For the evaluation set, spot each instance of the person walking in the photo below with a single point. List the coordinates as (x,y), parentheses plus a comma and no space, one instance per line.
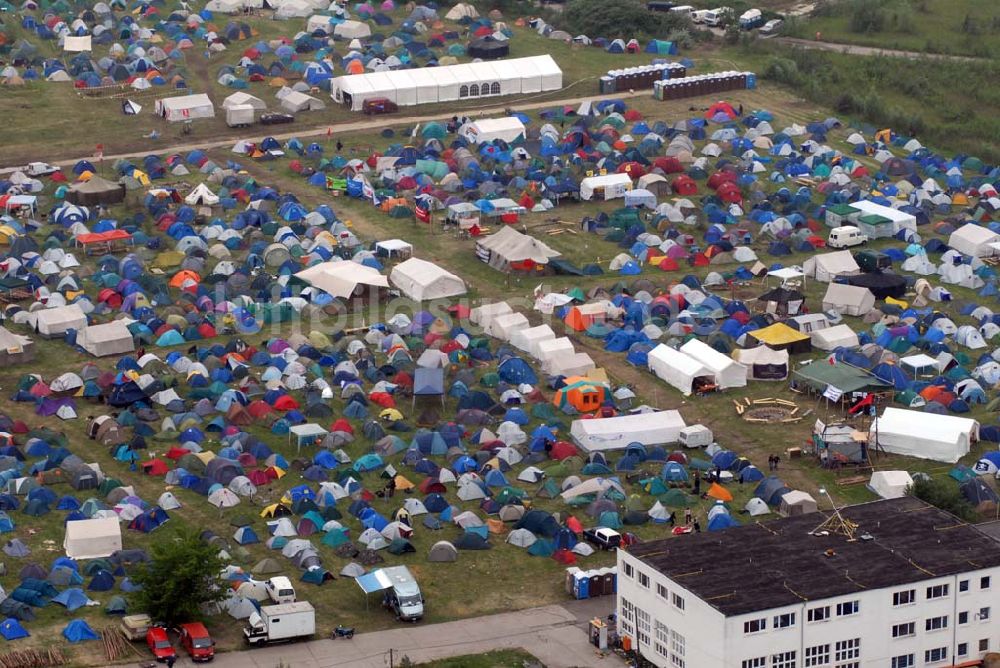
(687,516)
(697,526)
(171,660)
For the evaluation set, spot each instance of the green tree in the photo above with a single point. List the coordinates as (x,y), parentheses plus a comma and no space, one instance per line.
(945,495)
(866,16)
(184,572)
(621,18)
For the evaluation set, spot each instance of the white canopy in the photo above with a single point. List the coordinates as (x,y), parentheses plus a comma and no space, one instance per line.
(943,438)
(342,279)
(92,539)
(614,433)
(422,280)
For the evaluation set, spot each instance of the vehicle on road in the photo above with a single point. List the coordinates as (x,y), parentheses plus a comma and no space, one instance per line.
(196,641)
(159,643)
(771,28)
(40,169)
(276,119)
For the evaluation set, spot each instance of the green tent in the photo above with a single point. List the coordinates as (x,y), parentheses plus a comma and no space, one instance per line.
(675,498)
(433,130)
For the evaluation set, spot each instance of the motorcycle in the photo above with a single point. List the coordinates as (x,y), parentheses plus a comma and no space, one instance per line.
(342,632)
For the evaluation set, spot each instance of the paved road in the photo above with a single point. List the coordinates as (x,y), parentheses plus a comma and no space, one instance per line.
(366,125)
(555,634)
(856,50)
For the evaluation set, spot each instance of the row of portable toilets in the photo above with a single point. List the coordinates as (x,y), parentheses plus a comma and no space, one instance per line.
(641,77)
(703,84)
(590,584)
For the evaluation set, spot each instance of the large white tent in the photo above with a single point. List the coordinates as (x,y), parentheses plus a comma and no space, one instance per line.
(943,438)
(92,539)
(240,99)
(55,321)
(727,371)
(113,338)
(838,336)
(848,299)
(508,246)
(677,369)
(485,130)
(974,240)
(450,82)
(615,433)
(828,266)
(900,220)
(185,107)
(763,363)
(342,279)
(421,280)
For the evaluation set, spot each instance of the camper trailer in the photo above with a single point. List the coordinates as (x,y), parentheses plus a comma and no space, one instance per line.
(240,115)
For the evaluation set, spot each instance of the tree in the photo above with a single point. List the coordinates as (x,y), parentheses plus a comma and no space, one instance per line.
(622,18)
(184,573)
(945,495)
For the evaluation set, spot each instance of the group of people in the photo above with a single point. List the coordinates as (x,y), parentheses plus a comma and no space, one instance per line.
(772,462)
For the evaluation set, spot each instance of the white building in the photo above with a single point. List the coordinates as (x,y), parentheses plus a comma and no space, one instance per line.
(775,596)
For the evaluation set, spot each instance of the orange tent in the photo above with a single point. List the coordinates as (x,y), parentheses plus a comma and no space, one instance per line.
(355,67)
(717,491)
(584,394)
(183,276)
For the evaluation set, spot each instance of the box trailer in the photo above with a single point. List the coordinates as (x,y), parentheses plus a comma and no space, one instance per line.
(280,623)
(240,115)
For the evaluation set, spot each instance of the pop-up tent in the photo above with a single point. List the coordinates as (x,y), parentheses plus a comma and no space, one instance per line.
(113,338)
(943,438)
(421,280)
(616,433)
(92,539)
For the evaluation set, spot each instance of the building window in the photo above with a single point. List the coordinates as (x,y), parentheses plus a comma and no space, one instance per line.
(662,639)
(783,660)
(643,626)
(677,649)
(903,661)
(904,630)
(984,645)
(935,655)
(678,601)
(962,649)
(756,662)
(661,591)
(984,582)
(937,591)
(963,618)
(963,585)
(627,619)
(848,608)
(936,623)
(755,625)
(905,597)
(495,88)
(484,88)
(818,655)
(984,614)
(820,614)
(474,90)
(463,91)
(846,650)
(784,621)
(643,580)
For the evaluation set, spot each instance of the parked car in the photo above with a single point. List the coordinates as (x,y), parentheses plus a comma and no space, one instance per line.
(159,643)
(379,105)
(280,589)
(603,537)
(196,641)
(872,260)
(276,119)
(40,169)
(771,28)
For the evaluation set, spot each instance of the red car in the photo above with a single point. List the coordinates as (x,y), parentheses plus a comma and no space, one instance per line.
(159,643)
(379,105)
(196,641)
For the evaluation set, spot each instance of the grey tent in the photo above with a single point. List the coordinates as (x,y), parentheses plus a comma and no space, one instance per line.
(266,566)
(442,551)
(95,191)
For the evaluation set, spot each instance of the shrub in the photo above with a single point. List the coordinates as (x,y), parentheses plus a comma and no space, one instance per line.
(866,17)
(944,494)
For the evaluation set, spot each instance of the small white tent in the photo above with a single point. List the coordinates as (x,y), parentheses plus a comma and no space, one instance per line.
(92,539)
(201,195)
(763,363)
(838,336)
(943,438)
(239,99)
(352,30)
(828,266)
(890,484)
(848,299)
(113,338)
(422,280)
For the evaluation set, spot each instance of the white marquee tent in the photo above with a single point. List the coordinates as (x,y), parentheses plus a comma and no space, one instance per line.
(422,280)
(605,186)
(615,433)
(185,107)
(113,338)
(485,130)
(826,267)
(55,321)
(450,82)
(677,369)
(728,372)
(943,438)
(508,246)
(848,299)
(890,484)
(342,279)
(974,240)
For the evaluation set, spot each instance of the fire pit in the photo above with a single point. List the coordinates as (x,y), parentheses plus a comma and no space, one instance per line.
(768,411)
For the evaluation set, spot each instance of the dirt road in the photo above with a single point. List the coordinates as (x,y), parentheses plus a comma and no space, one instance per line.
(856,50)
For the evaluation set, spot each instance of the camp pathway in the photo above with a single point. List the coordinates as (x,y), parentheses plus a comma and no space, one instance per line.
(555,634)
(338,129)
(856,50)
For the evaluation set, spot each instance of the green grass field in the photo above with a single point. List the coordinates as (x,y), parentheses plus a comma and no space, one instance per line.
(503,659)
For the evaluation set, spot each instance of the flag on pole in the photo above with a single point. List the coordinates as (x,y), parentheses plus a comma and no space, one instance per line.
(423,213)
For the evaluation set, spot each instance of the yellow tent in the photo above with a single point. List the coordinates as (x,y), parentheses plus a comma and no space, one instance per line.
(7,234)
(781,337)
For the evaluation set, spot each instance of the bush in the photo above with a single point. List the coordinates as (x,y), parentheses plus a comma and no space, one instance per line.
(866,17)
(944,494)
(782,70)
(622,18)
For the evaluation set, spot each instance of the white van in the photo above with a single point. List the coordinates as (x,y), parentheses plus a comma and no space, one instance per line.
(686,10)
(846,236)
(714,17)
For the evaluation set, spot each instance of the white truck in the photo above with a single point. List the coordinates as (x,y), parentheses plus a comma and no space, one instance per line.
(240,115)
(280,623)
(403,596)
(280,589)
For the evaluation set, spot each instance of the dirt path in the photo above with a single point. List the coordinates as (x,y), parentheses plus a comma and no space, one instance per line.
(367,124)
(855,50)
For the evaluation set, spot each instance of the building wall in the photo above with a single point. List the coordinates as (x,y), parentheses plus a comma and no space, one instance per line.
(841,639)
